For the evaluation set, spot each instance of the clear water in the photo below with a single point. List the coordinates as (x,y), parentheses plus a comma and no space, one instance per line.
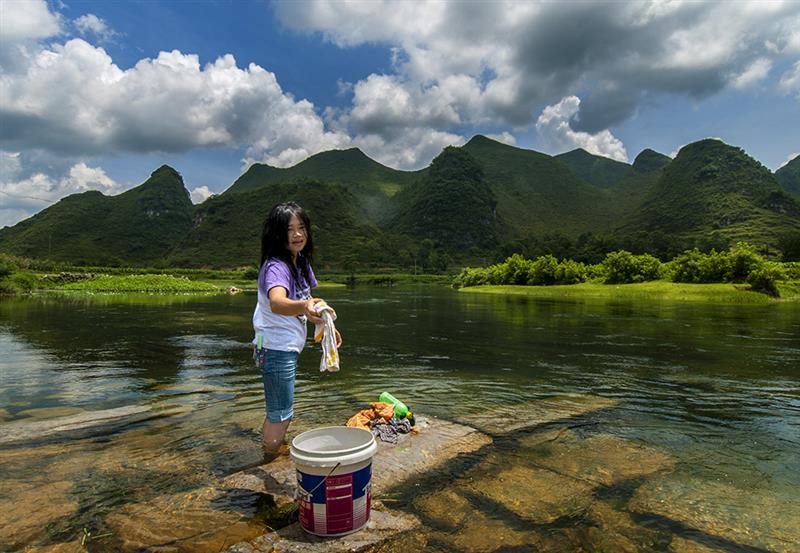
(713,388)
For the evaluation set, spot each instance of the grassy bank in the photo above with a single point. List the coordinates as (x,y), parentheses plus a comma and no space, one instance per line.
(654,290)
(127,280)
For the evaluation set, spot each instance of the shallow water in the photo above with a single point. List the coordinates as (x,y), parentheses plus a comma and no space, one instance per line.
(701,450)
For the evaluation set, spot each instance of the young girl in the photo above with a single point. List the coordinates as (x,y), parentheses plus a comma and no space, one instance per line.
(284,305)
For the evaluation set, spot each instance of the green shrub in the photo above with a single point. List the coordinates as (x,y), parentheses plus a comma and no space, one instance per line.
(624,267)
(543,271)
(764,278)
(471,277)
(743,260)
(571,272)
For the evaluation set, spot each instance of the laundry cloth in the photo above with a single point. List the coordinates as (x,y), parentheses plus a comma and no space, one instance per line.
(325,333)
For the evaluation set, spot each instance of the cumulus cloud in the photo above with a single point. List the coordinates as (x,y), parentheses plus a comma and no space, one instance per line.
(406,151)
(74,100)
(24,20)
(511,58)
(557,135)
(200,194)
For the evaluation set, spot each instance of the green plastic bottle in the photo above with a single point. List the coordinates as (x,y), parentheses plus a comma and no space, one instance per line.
(400,409)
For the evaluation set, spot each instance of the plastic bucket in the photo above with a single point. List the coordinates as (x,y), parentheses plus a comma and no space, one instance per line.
(334,473)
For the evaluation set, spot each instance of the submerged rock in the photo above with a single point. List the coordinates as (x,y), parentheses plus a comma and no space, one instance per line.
(523,416)
(605,460)
(44,503)
(719,514)
(82,423)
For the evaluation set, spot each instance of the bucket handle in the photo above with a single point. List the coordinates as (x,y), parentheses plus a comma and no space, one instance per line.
(321,482)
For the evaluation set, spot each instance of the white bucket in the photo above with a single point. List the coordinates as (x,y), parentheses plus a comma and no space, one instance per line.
(334,474)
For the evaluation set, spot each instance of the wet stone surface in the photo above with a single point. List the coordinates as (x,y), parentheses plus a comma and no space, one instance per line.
(702,508)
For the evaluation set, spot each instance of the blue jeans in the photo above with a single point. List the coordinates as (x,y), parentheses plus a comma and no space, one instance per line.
(278,370)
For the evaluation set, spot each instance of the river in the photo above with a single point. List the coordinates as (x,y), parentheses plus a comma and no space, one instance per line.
(700,450)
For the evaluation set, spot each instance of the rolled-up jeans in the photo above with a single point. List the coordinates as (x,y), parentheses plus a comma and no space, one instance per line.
(278,369)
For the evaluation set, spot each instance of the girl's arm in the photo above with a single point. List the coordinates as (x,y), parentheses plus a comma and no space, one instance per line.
(280,303)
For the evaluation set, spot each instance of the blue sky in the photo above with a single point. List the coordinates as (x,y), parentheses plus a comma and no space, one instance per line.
(96,95)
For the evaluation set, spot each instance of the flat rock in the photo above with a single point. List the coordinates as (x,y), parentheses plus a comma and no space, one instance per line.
(522,416)
(435,442)
(293,539)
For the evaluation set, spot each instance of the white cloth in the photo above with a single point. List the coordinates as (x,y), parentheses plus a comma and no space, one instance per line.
(325,333)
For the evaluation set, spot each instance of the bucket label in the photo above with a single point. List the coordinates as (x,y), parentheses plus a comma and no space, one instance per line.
(340,504)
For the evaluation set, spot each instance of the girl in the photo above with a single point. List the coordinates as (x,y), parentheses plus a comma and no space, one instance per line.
(284,305)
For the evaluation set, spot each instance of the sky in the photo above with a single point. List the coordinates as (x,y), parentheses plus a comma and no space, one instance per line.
(96,95)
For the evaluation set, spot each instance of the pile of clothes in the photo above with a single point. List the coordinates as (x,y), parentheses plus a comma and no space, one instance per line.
(380,420)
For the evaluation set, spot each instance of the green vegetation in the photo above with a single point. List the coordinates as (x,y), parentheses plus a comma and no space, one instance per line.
(140,283)
(452,205)
(712,187)
(651,291)
(740,264)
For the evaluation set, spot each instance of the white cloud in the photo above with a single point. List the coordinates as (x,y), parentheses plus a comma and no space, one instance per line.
(410,150)
(514,57)
(90,24)
(755,73)
(73,99)
(26,19)
(557,135)
(788,159)
(200,194)
(790,81)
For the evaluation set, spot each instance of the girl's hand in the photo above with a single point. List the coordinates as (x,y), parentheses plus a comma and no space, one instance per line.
(338,339)
(310,312)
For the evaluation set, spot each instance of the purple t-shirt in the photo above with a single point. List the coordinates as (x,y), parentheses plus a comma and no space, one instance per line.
(281,332)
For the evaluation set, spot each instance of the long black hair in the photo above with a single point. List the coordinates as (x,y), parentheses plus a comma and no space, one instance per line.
(274,239)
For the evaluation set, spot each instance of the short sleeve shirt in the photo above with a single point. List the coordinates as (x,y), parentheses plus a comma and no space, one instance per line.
(281,332)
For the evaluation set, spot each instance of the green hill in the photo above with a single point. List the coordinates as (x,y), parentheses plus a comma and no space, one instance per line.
(712,187)
(477,202)
(451,205)
(227,228)
(370,182)
(597,170)
(138,226)
(536,193)
(649,161)
(789,177)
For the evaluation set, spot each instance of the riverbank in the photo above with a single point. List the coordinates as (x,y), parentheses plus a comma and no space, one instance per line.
(654,290)
(123,281)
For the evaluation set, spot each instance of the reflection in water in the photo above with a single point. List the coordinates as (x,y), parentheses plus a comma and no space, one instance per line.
(701,447)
